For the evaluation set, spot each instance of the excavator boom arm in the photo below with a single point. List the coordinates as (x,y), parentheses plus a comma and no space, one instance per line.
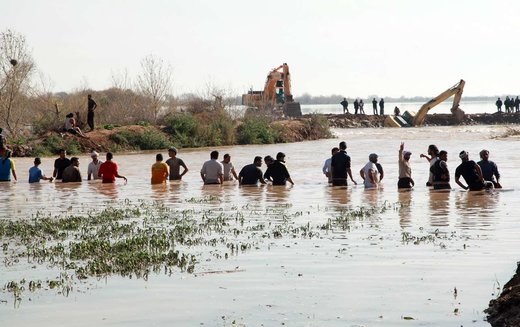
(454,90)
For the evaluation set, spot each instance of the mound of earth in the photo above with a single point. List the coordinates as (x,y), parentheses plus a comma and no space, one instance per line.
(505,310)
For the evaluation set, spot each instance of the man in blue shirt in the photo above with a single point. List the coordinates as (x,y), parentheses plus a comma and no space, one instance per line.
(36,174)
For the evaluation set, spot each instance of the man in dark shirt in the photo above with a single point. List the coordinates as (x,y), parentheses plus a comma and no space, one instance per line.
(251,174)
(344,103)
(72,173)
(60,164)
(489,169)
(92,105)
(340,166)
(277,171)
(471,172)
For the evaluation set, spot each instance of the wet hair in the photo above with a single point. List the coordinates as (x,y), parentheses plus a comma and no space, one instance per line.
(159,157)
(37,161)
(257,159)
(110,156)
(213,154)
(74,160)
(443,152)
(343,145)
(268,159)
(483,152)
(226,156)
(334,150)
(280,156)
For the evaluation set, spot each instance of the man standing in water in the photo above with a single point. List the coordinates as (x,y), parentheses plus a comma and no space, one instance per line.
(405,171)
(440,172)
(433,154)
(251,174)
(277,171)
(327,165)
(229,169)
(93,166)
(369,173)
(489,169)
(72,174)
(159,170)
(471,172)
(91,106)
(60,164)
(108,170)
(340,166)
(175,165)
(212,171)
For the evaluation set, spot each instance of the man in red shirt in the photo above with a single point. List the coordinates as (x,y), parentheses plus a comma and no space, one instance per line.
(108,170)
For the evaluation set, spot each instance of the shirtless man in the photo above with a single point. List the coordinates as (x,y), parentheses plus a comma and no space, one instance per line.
(175,165)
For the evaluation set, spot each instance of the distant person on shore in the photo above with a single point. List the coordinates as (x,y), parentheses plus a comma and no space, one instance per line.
(344,104)
(327,165)
(159,170)
(489,169)
(91,106)
(93,166)
(70,126)
(441,174)
(229,169)
(472,174)
(405,170)
(72,174)
(517,104)
(175,165)
(361,105)
(251,174)
(7,167)
(212,171)
(382,106)
(340,166)
(370,173)
(356,106)
(36,174)
(433,155)
(374,107)
(499,105)
(397,112)
(277,172)
(60,164)
(109,170)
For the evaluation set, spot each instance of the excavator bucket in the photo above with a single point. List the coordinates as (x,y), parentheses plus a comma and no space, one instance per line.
(292,109)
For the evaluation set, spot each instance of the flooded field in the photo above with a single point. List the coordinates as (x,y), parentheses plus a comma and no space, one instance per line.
(307,255)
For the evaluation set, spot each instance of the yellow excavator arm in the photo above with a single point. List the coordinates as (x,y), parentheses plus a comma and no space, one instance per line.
(455,110)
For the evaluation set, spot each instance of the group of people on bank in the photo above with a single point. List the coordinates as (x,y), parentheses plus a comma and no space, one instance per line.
(511,105)
(478,176)
(359,106)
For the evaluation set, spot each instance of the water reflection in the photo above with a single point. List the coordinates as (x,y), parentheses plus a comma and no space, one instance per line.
(405,212)
(439,208)
(371,196)
(108,190)
(339,196)
(476,209)
(277,194)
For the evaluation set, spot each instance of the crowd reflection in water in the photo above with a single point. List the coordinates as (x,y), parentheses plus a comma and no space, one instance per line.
(476,209)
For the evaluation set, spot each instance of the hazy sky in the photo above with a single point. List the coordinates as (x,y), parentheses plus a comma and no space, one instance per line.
(352,48)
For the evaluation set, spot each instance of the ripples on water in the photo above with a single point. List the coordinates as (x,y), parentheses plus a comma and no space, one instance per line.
(404,262)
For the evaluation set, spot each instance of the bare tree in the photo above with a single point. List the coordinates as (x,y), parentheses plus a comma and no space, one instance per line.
(154,82)
(16,67)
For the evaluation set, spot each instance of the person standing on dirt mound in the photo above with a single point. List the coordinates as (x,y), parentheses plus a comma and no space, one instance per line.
(499,105)
(344,103)
(382,106)
(92,105)
(374,107)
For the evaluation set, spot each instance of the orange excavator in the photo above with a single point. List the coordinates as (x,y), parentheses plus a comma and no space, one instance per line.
(276,96)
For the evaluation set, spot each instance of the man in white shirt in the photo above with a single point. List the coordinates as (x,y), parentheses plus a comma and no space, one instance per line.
(93,166)
(229,169)
(370,173)
(327,165)
(212,171)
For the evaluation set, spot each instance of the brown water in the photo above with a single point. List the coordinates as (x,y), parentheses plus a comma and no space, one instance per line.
(363,276)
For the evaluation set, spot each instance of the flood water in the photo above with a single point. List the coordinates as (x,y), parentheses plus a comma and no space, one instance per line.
(370,274)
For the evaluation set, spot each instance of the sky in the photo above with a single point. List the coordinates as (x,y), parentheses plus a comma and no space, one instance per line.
(354,48)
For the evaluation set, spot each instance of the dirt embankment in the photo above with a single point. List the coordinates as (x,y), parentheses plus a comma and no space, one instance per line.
(355,121)
(505,310)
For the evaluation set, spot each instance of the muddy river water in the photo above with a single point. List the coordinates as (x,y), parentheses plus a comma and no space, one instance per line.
(424,259)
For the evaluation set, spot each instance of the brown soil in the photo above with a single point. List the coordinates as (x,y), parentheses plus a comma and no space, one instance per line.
(505,310)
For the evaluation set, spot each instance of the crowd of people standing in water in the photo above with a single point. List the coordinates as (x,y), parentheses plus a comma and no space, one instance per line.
(337,169)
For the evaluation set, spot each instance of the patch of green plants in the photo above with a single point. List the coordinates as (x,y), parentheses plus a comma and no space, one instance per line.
(150,139)
(255,130)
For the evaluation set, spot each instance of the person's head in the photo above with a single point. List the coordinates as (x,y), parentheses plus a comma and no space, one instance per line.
(7,154)
(70,115)
(407,155)
(443,155)
(484,155)
(109,156)
(464,155)
(373,157)
(268,160)
(213,154)
(74,161)
(334,150)
(227,158)
(257,161)
(94,155)
(37,161)
(172,152)
(433,150)
(342,145)
(89,96)
(280,156)
(344,99)
(159,157)
(62,153)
